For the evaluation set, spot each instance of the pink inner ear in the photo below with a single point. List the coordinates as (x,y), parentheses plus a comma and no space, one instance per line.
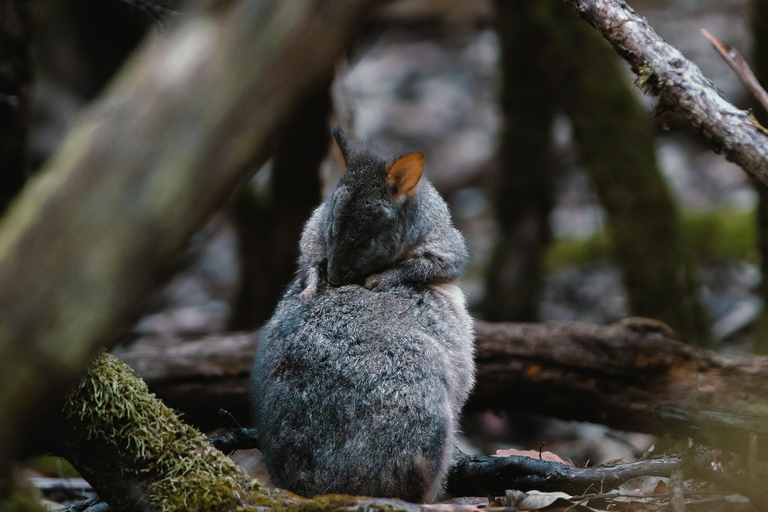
(405,172)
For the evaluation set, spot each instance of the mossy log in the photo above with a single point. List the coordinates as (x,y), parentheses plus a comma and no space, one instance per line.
(618,147)
(185,122)
(617,375)
(664,72)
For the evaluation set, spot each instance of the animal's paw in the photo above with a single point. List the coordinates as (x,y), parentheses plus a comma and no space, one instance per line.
(308,293)
(377,282)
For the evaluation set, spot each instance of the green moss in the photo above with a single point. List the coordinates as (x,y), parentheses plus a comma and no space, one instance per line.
(174,463)
(722,234)
(567,252)
(648,81)
(715,235)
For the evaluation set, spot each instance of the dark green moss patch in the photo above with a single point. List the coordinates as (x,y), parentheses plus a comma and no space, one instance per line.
(119,432)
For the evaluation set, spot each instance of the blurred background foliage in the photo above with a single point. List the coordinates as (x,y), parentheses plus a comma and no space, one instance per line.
(578,205)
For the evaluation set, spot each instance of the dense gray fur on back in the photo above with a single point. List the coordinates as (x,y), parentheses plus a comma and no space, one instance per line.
(358,387)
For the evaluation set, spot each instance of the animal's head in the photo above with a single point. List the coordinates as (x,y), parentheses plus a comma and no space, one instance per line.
(370,223)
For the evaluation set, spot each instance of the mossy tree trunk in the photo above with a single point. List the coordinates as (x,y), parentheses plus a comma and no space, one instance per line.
(136,453)
(616,137)
(759,16)
(525,193)
(182,126)
(269,229)
(16,37)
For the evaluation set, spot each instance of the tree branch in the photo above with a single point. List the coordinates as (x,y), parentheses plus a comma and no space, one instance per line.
(739,66)
(482,476)
(184,123)
(663,71)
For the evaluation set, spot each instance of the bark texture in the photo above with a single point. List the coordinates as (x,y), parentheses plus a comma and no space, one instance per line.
(170,140)
(633,376)
(482,476)
(663,71)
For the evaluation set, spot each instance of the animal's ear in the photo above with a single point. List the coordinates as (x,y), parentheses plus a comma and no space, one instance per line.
(404,173)
(342,142)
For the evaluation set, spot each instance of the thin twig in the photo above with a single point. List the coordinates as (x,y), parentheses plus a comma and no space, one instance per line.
(734,59)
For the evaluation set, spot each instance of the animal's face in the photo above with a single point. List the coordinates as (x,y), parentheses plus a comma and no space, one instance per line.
(362,232)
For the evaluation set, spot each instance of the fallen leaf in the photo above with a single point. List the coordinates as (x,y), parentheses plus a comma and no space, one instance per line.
(644,486)
(533,454)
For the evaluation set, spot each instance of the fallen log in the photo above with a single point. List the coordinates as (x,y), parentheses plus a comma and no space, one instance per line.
(616,375)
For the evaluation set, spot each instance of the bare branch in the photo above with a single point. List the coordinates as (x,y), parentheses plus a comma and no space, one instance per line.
(663,71)
(482,476)
(734,59)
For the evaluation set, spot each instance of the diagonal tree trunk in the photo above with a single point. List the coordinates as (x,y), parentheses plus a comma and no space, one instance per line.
(173,136)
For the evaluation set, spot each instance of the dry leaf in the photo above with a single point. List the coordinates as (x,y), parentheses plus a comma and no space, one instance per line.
(533,454)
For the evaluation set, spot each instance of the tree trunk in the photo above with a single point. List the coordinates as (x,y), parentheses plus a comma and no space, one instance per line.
(87,241)
(759,16)
(618,148)
(268,234)
(525,191)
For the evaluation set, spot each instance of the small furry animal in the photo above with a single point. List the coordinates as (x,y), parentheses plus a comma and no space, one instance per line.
(362,371)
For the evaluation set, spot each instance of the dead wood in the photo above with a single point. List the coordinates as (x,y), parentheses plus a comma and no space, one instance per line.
(185,122)
(631,375)
(482,476)
(739,66)
(663,71)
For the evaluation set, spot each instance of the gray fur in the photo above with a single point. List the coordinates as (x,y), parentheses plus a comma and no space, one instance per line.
(358,387)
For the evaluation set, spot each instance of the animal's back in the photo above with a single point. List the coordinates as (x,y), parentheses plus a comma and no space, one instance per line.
(358,391)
